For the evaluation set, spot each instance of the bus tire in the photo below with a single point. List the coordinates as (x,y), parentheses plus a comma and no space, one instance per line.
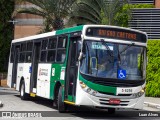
(23,95)
(61,104)
(55,101)
(111,110)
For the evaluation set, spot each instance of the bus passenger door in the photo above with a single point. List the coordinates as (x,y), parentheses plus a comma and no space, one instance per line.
(15,64)
(34,68)
(72,69)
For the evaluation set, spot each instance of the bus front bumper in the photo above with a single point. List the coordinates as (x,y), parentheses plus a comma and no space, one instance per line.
(87,99)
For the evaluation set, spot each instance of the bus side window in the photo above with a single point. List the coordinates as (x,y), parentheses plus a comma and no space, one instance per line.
(61,55)
(29,51)
(52,43)
(52,49)
(44,44)
(44,50)
(62,42)
(23,47)
(51,55)
(12,54)
(22,52)
(61,49)
(28,56)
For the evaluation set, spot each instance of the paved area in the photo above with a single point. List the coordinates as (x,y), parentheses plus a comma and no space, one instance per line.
(152,100)
(12,102)
(152,103)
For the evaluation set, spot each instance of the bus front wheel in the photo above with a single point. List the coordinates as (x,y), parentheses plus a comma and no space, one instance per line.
(61,104)
(23,95)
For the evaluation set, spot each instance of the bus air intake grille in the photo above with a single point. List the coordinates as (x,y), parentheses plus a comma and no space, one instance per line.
(106,102)
(113,104)
(124,94)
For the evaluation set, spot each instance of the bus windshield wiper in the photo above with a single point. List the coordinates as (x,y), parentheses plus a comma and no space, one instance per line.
(127,48)
(107,47)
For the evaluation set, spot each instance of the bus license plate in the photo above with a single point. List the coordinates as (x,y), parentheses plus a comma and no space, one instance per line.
(114,101)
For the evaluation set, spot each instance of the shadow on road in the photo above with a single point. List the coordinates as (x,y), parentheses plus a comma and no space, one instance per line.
(39,100)
(83,112)
(7,93)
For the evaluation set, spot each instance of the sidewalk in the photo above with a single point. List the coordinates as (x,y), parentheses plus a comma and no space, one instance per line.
(152,102)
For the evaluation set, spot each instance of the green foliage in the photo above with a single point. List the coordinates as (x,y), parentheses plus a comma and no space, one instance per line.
(153,69)
(86,12)
(123,16)
(53,12)
(141,6)
(96,11)
(6,32)
(107,12)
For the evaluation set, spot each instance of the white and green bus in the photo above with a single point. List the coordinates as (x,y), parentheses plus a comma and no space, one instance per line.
(98,66)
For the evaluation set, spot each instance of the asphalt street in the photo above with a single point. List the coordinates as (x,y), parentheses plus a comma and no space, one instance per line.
(44,110)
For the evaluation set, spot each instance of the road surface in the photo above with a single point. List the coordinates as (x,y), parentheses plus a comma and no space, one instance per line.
(42,107)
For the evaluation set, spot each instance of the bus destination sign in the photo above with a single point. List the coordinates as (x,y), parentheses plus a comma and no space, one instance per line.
(116,33)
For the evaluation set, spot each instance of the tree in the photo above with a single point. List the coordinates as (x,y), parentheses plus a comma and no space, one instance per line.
(53,12)
(6,32)
(86,11)
(97,12)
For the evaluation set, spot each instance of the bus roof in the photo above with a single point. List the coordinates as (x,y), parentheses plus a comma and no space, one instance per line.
(49,34)
(69,30)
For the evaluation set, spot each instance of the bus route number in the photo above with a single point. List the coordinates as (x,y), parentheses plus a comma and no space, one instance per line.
(127,90)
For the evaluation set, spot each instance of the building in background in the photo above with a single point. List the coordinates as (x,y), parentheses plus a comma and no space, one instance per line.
(147,20)
(141,1)
(26,24)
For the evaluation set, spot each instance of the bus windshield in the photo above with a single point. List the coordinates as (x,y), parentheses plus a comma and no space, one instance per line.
(106,60)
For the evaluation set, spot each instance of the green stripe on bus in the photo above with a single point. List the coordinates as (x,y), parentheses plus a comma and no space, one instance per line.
(68,30)
(97,87)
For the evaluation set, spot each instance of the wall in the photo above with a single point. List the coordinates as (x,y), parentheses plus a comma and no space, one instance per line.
(157,3)
(26,24)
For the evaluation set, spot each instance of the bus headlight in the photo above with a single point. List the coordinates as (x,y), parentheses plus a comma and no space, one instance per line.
(82,84)
(139,94)
(87,89)
(94,93)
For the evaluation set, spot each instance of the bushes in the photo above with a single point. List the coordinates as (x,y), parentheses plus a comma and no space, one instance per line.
(153,69)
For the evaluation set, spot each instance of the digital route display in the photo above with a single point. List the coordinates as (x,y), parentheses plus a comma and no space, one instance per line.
(116,33)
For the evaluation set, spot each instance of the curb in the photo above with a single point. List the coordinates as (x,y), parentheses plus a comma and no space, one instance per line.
(153,105)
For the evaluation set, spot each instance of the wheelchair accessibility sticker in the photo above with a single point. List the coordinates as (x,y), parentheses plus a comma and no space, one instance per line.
(121,74)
